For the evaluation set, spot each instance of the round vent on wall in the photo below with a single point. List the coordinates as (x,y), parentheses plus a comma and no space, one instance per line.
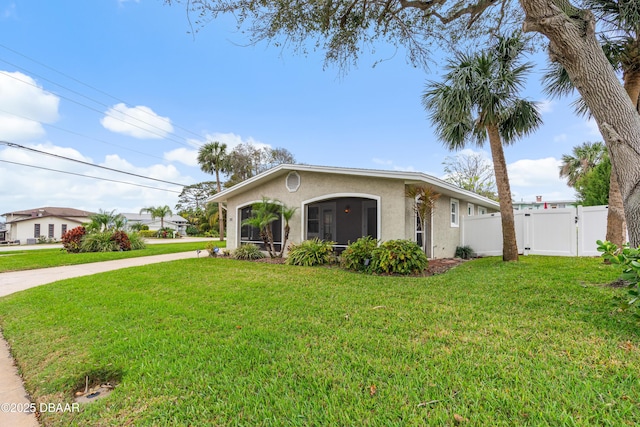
(293,181)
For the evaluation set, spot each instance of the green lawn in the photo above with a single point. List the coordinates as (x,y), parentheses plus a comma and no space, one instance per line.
(43,258)
(230,343)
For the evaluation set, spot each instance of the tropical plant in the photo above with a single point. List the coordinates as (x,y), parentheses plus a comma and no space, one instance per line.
(464,252)
(158,212)
(248,252)
(99,242)
(358,255)
(399,257)
(213,158)
(122,240)
(627,259)
(478,100)
(263,214)
(137,241)
(72,239)
(311,253)
(105,220)
(582,159)
(423,200)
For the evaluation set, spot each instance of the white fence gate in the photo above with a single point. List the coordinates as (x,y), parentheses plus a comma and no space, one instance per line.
(559,232)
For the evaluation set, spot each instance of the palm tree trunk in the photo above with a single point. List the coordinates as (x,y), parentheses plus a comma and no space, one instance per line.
(220,213)
(509,245)
(616,224)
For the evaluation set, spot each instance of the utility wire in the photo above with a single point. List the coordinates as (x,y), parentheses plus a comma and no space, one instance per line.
(14,145)
(89,176)
(80,135)
(82,83)
(102,112)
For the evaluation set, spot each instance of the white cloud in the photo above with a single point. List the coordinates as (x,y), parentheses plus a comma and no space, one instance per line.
(24,105)
(9,11)
(560,137)
(538,177)
(139,122)
(34,187)
(190,157)
(546,106)
(182,155)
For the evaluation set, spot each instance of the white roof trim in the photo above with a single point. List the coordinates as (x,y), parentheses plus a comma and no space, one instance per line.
(410,177)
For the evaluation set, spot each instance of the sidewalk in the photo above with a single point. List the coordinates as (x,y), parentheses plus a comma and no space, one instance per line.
(12,393)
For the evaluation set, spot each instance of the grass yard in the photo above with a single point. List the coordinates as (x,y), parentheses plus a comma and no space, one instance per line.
(230,343)
(43,258)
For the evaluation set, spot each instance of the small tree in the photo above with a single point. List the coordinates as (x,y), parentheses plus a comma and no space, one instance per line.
(263,214)
(105,220)
(423,198)
(158,212)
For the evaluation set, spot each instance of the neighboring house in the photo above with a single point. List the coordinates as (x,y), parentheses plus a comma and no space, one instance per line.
(543,204)
(3,232)
(174,222)
(50,223)
(343,204)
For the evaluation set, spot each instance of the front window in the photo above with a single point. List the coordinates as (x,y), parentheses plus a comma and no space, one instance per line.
(455,213)
(51,229)
(36,230)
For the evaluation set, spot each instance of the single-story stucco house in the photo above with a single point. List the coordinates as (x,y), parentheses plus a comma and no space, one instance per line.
(344,204)
(49,222)
(174,222)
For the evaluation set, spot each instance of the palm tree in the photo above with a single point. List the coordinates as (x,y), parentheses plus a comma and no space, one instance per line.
(213,158)
(158,212)
(105,220)
(478,100)
(583,158)
(620,40)
(262,215)
(424,199)
(287,214)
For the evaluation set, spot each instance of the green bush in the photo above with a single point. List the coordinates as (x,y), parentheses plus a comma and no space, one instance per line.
(311,252)
(148,233)
(72,239)
(248,252)
(98,242)
(137,242)
(626,259)
(464,252)
(358,255)
(399,257)
(192,230)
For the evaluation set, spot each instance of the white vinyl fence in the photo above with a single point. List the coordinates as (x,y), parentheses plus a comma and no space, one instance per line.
(564,232)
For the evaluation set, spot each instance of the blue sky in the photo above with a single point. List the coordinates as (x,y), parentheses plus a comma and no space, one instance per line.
(69,69)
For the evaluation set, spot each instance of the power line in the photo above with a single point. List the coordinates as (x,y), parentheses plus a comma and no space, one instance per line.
(14,145)
(80,135)
(82,83)
(90,176)
(101,112)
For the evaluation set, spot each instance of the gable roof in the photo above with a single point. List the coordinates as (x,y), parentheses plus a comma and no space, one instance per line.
(407,177)
(47,211)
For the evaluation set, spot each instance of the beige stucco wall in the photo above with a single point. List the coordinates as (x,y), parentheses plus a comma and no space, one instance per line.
(316,186)
(396,216)
(24,230)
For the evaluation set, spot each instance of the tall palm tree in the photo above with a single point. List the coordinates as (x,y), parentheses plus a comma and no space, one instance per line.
(582,159)
(158,212)
(620,40)
(213,158)
(478,100)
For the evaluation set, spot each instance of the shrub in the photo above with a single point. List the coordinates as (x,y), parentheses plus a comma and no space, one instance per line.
(192,230)
(137,242)
(72,239)
(311,252)
(399,257)
(358,255)
(121,239)
(464,252)
(98,242)
(148,233)
(248,252)
(626,259)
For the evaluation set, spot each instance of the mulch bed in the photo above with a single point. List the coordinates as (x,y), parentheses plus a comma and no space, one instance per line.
(436,266)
